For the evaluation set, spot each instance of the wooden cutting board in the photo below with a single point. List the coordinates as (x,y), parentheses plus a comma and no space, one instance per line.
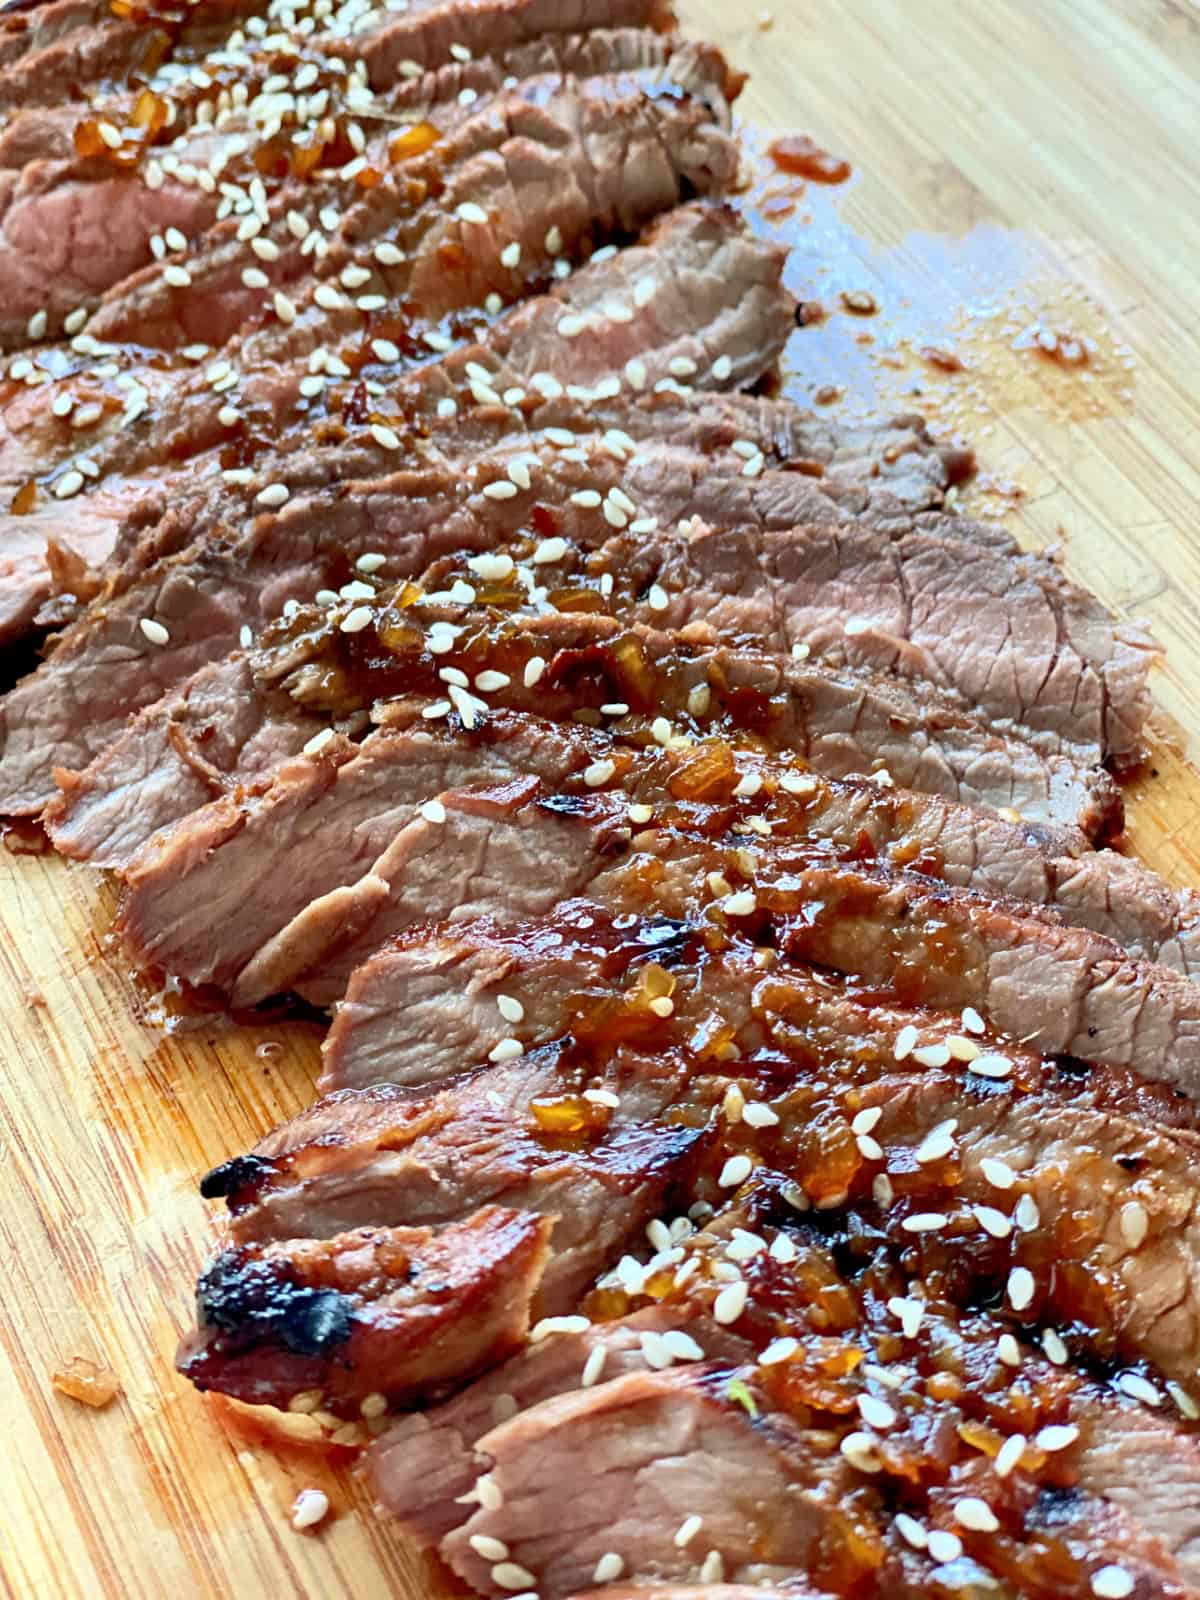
(1015,164)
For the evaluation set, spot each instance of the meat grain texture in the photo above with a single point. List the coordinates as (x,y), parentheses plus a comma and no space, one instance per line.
(759,1150)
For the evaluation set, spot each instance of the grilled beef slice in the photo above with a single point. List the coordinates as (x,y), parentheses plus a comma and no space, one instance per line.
(63,714)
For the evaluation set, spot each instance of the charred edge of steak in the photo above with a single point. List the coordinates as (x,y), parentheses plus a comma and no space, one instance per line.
(229,1180)
(253,1302)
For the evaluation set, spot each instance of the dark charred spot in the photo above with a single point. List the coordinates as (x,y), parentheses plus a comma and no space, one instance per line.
(1055,1507)
(1072,1069)
(243,1172)
(564,805)
(262,1302)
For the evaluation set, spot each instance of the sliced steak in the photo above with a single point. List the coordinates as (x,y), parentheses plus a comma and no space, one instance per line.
(659,1447)
(197,878)
(426,33)
(1010,634)
(392,1311)
(423,1469)
(436,1159)
(65,713)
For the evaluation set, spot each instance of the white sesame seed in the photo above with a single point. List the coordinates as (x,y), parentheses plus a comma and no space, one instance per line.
(510,1575)
(975,1514)
(876,1413)
(962,1048)
(882,1191)
(748,786)
(571,326)
(662,731)
(510,256)
(275,494)
(1008,1457)
(657,598)
(177,277)
(487,1547)
(905,1041)
(609,1566)
(782,1248)
(74,320)
(1008,1351)
(328,298)
(637,374)
(318,742)
(518,471)
(1184,1401)
(1112,1583)
(735,1171)
(911,1531)
(860,1451)
(687,1531)
(370,561)
(433,811)
(491,566)
(309,1507)
(1020,1288)
(971,1020)
(554,241)
(944,1546)
(154,631)
(447,408)
(909,1313)
(932,1055)
(925,1222)
(938,1143)
(500,490)
(593,1366)
(468,211)
(1135,1224)
(992,1066)
(998,1173)
(69,484)
(731,1302)
(488,1492)
(356,620)
(1057,1437)
(778,1350)
(1137,1388)
(741,904)
(598,773)
(387,437)
(1027,1216)
(245,636)
(992,1221)
(535,668)
(1056,1350)
(870,1149)
(757,1115)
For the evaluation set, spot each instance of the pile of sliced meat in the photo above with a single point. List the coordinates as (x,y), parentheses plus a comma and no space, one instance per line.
(759,1154)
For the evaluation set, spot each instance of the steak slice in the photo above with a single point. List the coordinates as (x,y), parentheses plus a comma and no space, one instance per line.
(66,712)
(435,1159)
(1008,633)
(338,810)
(392,1311)
(423,1470)
(425,34)
(659,1446)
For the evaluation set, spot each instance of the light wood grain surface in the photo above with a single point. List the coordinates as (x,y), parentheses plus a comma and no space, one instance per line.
(1014,164)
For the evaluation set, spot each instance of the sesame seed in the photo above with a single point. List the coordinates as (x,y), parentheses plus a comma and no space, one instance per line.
(491,565)
(944,1546)
(741,904)
(1008,1457)
(609,1566)
(687,1531)
(1020,1288)
(859,1450)
(882,1191)
(510,256)
(911,1531)
(518,471)
(1112,1583)
(731,1302)
(661,731)
(554,241)
(265,249)
(992,1221)
(593,1366)
(1056,1350)
(870,1149)
(35,328)
(976,1514)
(1058,1437)
(328,298)
(937,1144)
(1135,1223)
(757,1115)
(992,1066)
(735,1171)
(549,551)
(318,742)
(1137,1388)
(657,598)
(1184,1401)
(500,490)
(385,349)
(962,1048)
(309,1507)
(925,1222)
(598,773)
(385,436)
(1008,1351)
(571,326)
(876,1413)
(748,786)
(905,1041)
(712,1568)
(433,811)
(370,561)
(468,211)
(488,682)
(971,1020)
(909,1313)
(154,631)
(356,620)
(1027,1216)
(932,1055)
(640,814)
(275,494)
(637,374)
(69,484)
(447,408)
(535,668)
(866,1120)
(998,1173)
(662,1005)
(74,320)
(245,636)
(509,1575)
(487,1547)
